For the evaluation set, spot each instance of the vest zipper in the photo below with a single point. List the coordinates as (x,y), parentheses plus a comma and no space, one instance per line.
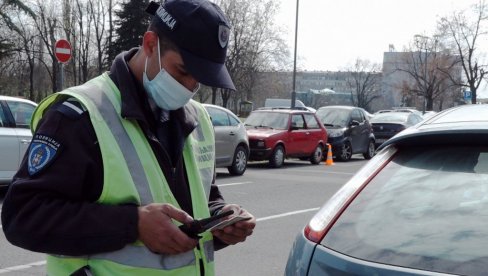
(200,261)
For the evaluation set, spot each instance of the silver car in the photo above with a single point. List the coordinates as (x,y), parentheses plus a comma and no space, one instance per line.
(15,134)
(231,143)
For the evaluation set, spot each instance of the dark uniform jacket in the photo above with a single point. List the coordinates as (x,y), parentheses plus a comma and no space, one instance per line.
(53,209)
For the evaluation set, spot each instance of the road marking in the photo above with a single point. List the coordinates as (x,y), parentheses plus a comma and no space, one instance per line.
(234,184)
(41,263)
(320,171)
(21,267)
(288,214)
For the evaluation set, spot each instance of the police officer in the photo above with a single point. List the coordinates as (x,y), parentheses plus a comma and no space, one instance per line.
(117,164)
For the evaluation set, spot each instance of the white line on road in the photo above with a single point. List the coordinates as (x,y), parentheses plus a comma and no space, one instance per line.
(40,263)
(234,184)
(21,267)
(319,171)
(287,214)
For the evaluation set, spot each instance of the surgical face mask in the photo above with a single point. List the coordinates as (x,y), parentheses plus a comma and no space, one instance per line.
(166,92)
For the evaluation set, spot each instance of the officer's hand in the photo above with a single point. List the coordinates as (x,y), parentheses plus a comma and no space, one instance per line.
(159,233)
(239,231)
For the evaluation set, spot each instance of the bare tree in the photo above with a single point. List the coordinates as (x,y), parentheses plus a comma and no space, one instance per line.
(48,26)
(255,44)
(364,82)
(429,67)
(463,31)
(98,12)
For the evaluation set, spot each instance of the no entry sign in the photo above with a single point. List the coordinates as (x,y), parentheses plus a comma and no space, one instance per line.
(62,50)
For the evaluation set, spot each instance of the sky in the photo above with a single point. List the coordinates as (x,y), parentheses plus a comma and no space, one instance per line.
(332,34)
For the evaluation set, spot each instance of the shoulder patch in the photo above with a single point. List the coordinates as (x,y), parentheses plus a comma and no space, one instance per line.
(71,108)
(42,151)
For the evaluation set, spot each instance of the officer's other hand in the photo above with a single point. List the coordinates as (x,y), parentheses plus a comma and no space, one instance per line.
(239,231)
(158,232)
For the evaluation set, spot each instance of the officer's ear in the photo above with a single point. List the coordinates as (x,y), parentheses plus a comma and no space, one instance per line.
(150,44)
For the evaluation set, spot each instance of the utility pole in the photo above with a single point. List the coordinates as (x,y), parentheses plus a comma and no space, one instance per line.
(294,93)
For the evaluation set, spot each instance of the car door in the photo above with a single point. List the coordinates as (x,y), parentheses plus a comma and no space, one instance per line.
(316,133)
(359,133)
(225,136)
(298,137)
(15,136)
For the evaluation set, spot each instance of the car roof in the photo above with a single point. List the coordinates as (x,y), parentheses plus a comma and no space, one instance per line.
(461,125)
(17,99)
(283,110)
(338,106)
(220,108)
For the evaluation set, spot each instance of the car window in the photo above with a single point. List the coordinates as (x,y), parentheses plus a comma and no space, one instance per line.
(274,120)
(333,117)
(426,209)
(233,121)
(297,121)
(356,115)
(390,117)
(219,117)
(3,118)
(22,113)
(311,121)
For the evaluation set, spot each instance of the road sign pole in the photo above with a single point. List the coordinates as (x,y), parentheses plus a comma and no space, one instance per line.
(62,77)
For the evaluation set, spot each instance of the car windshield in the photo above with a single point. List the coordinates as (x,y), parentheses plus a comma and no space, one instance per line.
(427,209)
(275,120)
(333,117)
(390,117)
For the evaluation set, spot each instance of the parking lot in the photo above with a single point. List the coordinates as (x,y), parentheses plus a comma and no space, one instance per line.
(283,200)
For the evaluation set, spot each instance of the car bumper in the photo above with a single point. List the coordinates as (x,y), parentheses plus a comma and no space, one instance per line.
(259,154)
(300,255)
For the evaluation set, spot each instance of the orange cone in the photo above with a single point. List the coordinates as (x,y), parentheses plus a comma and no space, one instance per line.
(329,161)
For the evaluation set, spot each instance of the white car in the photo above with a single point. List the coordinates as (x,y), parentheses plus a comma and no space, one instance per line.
(231,142)
(15,134)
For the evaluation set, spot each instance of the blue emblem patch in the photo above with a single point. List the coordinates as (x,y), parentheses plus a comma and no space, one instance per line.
(42,151)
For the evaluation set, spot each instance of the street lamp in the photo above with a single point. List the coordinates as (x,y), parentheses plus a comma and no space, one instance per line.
(294,93)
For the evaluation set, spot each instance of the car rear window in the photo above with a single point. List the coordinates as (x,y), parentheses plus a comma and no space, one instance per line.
(427,209)
(274,120)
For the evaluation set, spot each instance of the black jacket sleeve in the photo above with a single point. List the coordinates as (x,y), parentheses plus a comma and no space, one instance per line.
(54,210)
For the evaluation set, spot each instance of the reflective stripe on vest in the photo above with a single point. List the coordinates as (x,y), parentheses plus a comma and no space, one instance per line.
(140,256)
(107,110)
(102,103)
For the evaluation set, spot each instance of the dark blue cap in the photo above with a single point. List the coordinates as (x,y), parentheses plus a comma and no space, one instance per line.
(201,32)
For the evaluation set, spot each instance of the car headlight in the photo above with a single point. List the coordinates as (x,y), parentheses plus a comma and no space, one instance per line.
(335,134)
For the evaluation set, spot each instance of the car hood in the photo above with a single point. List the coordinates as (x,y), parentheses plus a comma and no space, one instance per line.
(335,131)
(263,132)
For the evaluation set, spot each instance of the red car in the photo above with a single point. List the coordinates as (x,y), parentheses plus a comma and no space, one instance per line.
(279,133)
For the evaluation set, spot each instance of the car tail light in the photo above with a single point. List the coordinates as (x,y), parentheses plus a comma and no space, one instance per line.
(328,214)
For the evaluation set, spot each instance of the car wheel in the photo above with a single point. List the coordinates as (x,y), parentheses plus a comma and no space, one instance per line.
(239,164)
(345,152)
(278,157)
(317,155)
(371,150)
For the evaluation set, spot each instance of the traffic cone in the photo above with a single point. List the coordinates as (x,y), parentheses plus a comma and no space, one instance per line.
(329,161)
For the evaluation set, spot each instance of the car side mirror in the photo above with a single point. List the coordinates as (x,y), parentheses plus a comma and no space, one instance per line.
(294,128)
(354,123)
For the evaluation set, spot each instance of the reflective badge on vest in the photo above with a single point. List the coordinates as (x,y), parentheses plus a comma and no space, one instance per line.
(42,151)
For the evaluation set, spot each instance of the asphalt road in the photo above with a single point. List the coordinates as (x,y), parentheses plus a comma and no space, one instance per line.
(283,200)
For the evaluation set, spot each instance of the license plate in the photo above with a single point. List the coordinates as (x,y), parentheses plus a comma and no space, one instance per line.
(380,140)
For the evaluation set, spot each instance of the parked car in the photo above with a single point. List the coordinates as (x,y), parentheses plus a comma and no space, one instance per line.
(428,114)
(419,207)
(15,134)
(388,124)
(349,131)
(286,103)
(279,133)
(231,143)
